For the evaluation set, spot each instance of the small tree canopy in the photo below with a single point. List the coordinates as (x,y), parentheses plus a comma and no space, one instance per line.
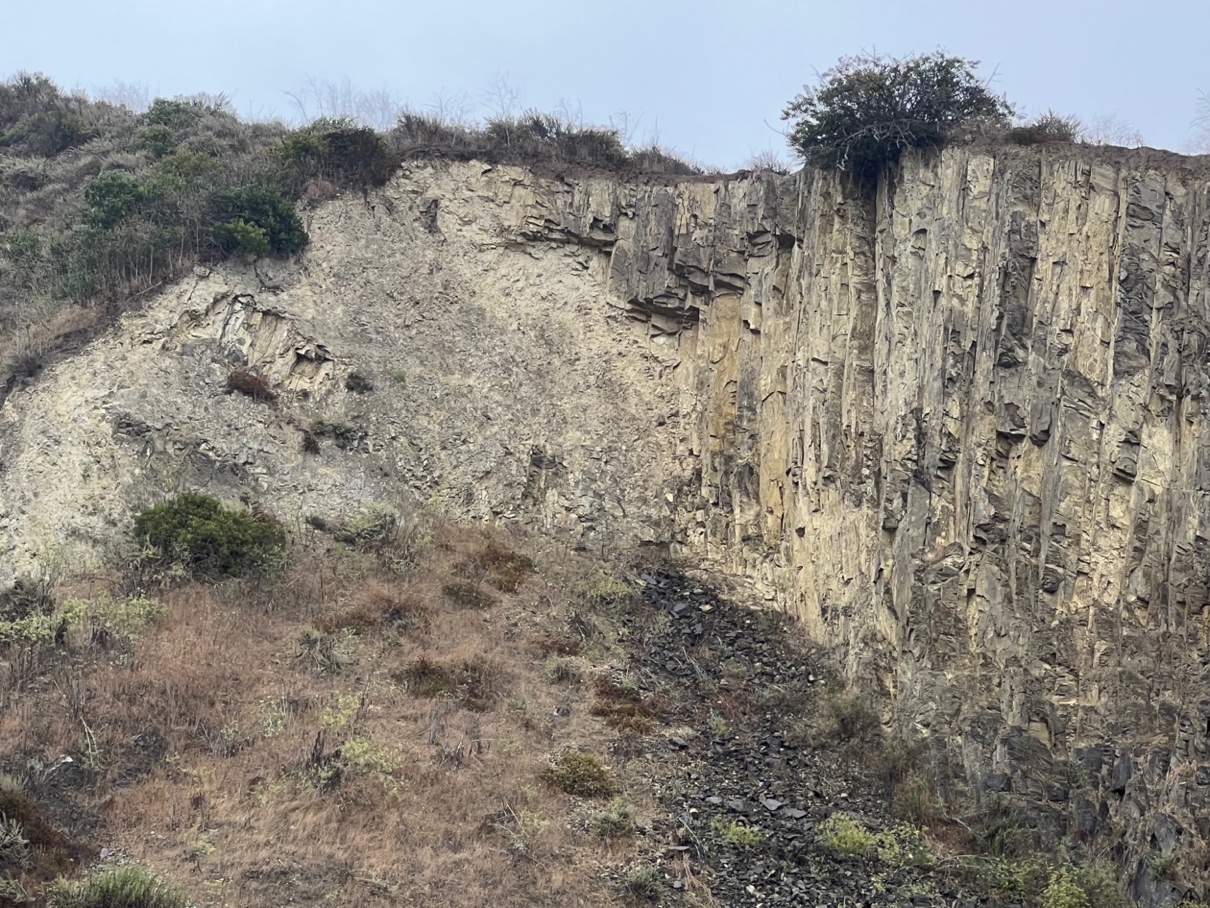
(867,109)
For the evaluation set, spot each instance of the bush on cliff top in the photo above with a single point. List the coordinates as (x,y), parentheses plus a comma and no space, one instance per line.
(867,109)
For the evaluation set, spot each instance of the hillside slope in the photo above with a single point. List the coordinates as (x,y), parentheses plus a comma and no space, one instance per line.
(959,428)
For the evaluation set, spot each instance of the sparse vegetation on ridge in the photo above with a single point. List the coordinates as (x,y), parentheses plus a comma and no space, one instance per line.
(100,203)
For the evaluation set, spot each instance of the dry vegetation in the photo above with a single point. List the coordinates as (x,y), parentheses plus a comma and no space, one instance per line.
(346,733)
(104,200)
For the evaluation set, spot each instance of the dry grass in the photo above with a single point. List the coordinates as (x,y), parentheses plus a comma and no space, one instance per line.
(251,384)
(408,772)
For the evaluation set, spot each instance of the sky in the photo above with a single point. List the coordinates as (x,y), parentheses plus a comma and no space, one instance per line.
(707,78)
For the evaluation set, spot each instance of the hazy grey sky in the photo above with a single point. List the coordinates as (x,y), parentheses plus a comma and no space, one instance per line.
(709,75)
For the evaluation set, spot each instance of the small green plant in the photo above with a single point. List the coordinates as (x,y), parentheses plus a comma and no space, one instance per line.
(347,436)
(14,845)
(264,207)
(341,717)
(238,235)
(156,139)
(128,886)
(641,882)
(581,774)
(719,727)
(209,540)
(111,197)
(615,822)
(374,524)
(736,833)
(273,715)
(1064,891)
(1160,866)
(903,845)
(846,835)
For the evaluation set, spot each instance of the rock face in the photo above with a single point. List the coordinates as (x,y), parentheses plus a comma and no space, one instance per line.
(958,428)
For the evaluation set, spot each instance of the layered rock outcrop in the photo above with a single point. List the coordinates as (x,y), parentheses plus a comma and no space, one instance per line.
(958,427)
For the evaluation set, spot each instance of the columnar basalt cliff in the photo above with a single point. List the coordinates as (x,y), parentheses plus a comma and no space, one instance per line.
(957,425)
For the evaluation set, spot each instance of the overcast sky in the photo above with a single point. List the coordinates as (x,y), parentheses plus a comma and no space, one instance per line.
(707,77)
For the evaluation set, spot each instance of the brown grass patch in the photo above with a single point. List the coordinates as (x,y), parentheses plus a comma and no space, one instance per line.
(251,384)
(624,707)
(468,595)
(433,739)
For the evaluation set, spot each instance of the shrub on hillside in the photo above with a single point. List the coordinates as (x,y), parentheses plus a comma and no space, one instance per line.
(237,235)
(111,197)
(336,150)
(158,140)
(178,113)
(867,109)
(581,774)
(263,206)
(1049,127)
(209,540)
(128,886)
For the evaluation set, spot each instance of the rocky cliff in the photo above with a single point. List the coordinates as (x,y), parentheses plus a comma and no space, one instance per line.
(959,427)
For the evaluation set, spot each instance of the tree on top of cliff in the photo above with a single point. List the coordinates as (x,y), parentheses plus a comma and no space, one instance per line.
(867,109)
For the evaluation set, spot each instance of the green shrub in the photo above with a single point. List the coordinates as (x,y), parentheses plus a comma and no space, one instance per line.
(176,113)
(374,524)
(1064,891)
(264,206)
(156,139)
(581,774)
(867,109)
(338,150)
(237,235)
(641,882)
(111,197)
(128,886)
(187,165)
(736,833)
(1049,127)
(846,835)
(617,822)
(14,845)
(209,540)
(347,435)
